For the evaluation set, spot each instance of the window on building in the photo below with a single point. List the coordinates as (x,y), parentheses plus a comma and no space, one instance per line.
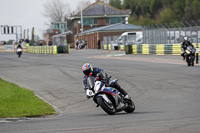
(107,21)
(90,21)
(95,21)
(115,20)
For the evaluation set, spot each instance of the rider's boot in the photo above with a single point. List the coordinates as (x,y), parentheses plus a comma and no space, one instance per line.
(123,92)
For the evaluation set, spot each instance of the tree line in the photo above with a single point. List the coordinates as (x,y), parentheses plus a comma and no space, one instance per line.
(146,12)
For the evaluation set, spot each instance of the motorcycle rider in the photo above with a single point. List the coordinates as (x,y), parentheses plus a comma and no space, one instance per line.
(184,46)
(19,45)
(88,70)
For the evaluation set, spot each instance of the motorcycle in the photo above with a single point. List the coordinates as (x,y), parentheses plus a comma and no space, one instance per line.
(19,51)
(80,45)
(108,98)
(190,55)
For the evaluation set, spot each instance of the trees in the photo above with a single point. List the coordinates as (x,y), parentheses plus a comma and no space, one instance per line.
(116,3)
(196,11)
(56,10)
(83,5)
(162,11)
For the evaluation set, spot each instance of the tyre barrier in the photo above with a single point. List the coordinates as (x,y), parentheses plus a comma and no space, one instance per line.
(48,49)
(158,49)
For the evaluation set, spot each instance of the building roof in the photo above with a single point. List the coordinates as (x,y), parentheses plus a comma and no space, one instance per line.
(63,34)
(100,8)
(114,27)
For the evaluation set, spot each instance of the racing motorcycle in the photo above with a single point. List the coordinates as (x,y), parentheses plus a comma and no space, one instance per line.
(190,55)
(19,51)
(108,98)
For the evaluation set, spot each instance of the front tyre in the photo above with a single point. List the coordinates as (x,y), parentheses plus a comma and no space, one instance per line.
(107,107)
(188,60)
(131,107)
(192,59)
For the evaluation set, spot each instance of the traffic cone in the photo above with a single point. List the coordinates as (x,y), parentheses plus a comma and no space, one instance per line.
(108,50)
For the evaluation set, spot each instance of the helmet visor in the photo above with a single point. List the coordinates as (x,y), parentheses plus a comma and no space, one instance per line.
(86,72)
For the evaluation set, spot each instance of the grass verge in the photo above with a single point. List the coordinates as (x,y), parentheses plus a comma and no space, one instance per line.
(16,102)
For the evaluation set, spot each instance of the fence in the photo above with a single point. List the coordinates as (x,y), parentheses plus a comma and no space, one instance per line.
(171,33)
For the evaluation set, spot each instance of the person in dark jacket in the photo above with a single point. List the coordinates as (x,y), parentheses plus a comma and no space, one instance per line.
(19,45)
(88,70)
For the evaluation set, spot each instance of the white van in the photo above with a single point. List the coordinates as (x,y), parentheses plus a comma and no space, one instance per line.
(130,38)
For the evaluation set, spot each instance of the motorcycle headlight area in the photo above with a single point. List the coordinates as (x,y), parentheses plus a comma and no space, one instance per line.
(187,51)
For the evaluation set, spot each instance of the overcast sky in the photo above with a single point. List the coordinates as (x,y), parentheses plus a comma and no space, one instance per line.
(27,13)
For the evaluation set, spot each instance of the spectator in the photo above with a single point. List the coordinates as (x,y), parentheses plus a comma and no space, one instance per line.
(99,43)
(40,43)
(27,43)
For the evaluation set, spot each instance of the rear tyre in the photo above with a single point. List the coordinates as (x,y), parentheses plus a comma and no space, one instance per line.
(131,107)
(108,108)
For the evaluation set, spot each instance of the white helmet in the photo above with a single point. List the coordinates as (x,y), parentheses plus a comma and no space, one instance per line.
(185,38)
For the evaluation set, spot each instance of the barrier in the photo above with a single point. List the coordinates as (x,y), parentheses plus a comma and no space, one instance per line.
(134,49)
(160,49)
(109,46)
(122,47)
(176,49)
(145,48)
(44,49)
(105,47)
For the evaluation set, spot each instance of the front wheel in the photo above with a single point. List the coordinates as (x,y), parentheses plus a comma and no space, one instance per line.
(107,107)
(131,107)
(188,60)
(192,59)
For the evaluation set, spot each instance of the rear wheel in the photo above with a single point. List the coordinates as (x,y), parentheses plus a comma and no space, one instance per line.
(107,107)
(131,107)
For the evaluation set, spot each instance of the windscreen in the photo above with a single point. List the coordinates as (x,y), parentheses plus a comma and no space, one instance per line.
(90,81)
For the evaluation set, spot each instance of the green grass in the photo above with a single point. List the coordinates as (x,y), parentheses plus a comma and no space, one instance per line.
(16,102)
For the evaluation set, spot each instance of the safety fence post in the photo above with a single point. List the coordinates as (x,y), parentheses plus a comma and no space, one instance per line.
(197,54)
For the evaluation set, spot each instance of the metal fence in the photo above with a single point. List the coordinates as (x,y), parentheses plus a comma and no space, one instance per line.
(171,33)
(110,42)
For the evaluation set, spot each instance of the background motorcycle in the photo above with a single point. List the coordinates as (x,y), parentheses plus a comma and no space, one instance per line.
(190,55)
(19,52)
(108,98)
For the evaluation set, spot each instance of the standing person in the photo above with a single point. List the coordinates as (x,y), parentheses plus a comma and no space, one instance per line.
(85,43)
(27,43)
(77,42)
(99,43)
(40,44)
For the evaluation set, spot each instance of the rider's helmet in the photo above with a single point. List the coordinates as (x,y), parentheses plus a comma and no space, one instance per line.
(185,39)
(87,69)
